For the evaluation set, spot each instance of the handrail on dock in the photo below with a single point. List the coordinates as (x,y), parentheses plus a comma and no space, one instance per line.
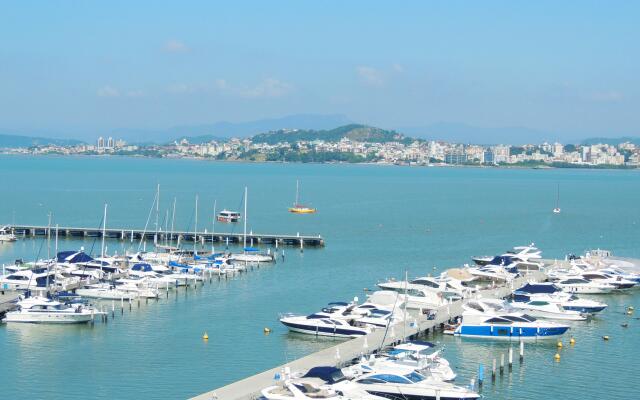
(297,240)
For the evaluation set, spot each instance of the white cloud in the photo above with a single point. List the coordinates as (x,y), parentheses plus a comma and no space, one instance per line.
(108,91)
(398,68)
(175,46)
(268,88)
(220,84)
(369,76)
(135,93)
(609,96)
(181,88)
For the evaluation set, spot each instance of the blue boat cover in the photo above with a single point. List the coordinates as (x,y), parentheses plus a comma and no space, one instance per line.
(73,257)
(538,288)
(142,267)
(501,260)
(251,249)
(327,374)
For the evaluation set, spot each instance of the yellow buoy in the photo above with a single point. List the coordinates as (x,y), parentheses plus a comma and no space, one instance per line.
(629,312)
(605,337)
(267,330)
(630,308)
(205,336)
(556,357)
(572,341)
(559,344)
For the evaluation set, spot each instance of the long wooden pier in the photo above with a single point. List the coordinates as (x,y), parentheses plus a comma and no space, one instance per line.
(339,355)
(297,240)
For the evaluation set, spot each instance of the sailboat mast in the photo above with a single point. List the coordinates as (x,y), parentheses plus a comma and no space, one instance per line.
(244,240)
(48,249)
(213,224)
(195,229)
(173,220)
(297,193)
(104,229)
(157,213)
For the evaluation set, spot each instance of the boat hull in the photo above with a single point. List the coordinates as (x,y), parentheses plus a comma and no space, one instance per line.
(47,318)
(324,330)
(510,333)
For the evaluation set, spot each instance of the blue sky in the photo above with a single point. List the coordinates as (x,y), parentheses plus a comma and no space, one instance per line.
(81,68)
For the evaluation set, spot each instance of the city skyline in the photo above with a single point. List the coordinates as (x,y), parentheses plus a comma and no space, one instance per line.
(546,67)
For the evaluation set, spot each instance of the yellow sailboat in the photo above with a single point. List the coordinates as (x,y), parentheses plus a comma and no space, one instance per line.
(299,208)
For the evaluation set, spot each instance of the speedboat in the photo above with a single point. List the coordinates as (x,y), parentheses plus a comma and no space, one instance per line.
(6,235)
(412,385)
(616,272)
(494,272)
(24,279)
(105,292)
(228,216)
(489,319)
(317,383)
(44,310)
(579,285)
(414,356)
(553,294)
(541,308)
(618,282)
(417,297)
(252,255)
(443,285)
(320,324)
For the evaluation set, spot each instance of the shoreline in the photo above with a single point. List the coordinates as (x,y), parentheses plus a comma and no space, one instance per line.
(385,164)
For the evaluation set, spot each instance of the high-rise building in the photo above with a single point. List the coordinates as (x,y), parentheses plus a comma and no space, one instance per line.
(110,143)
(100,142)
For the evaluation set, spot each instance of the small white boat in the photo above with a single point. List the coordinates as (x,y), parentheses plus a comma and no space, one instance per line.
(540,308)
(252,255)
(105,292)
(43,310)
(6,235)
(579,285)
(228,216)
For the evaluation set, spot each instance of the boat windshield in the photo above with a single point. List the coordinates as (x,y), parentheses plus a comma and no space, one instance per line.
(415,377)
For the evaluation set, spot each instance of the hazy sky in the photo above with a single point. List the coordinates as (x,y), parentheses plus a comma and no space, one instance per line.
(84,67)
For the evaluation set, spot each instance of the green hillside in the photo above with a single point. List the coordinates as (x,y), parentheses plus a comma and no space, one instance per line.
(355,132)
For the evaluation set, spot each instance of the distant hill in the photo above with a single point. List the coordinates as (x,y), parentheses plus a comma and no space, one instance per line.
(226,129)
(14,141)
(612,141)
(356,132)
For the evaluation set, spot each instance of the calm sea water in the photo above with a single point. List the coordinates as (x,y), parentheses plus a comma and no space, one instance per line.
(377,222)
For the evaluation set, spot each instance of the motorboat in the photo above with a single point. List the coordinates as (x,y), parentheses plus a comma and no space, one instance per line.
(413,356)
(616,272)
(228,216)
(417,297)
(447,287)
(493,272)
(252,255)
(6,235)
(541,308)
(321,324)
(579,285)
(44,310)
(551,293)
(490,320)
(29,279)
(106,292)
(618,282)
(521,254)
(317,383)
(412,385)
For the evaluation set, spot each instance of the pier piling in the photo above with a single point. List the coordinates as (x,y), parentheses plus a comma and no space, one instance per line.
(510,358)
(521,351)
(501,364)
(493,371)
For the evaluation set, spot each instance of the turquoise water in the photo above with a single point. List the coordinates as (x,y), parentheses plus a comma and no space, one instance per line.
(377,222)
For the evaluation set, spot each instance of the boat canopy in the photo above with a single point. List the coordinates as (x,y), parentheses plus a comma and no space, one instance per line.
(501,260)
(73,257)
(252,249)
(538,288)
(144,267)
(327,374)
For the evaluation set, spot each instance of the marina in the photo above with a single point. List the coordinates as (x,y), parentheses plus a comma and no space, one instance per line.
(168,331)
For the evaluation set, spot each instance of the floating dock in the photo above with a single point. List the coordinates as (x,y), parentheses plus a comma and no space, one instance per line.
(339,355)
(297,240)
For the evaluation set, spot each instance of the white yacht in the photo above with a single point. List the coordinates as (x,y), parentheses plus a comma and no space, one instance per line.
(418,297)
(252,255)
(6,235)
(447,287)
(25,279)
(549,292)
(105,292)
(43,310)
(579,285)
(540,308)
(618,282)
(411,385)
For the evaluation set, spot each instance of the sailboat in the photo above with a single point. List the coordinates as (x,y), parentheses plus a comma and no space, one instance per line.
(299,208)
(557,209)
(250,254)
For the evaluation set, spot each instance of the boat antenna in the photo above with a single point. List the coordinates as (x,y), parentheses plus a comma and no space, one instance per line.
(155,238)
(244,240)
